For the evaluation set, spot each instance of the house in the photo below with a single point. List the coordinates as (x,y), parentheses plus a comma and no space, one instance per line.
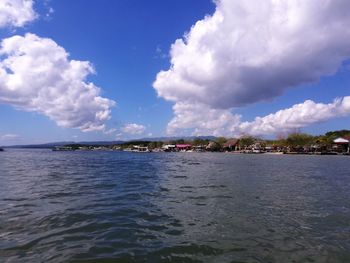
(274,148)
(231,145)
(342,144)
(199,148)
(183,147)
(169,147)
(63,148)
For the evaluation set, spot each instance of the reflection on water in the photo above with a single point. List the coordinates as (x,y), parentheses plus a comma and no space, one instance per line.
(173,207)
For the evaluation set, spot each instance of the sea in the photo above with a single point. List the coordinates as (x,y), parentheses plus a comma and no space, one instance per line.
(173,207)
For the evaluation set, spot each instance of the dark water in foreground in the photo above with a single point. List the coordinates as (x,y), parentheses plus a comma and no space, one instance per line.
(181,207)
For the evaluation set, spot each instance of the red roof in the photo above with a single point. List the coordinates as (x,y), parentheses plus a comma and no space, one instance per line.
(183,145)
(231,143)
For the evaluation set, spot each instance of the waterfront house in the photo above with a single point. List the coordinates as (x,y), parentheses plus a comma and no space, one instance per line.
(169,147)
(257,147)
(116,148)
(199,148)
(273,148)
(183,147)
(231,145)
(138,148)
(64,148)
(342,144)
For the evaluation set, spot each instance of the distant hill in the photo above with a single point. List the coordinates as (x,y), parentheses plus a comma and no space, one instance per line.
(44,145)
(53,144)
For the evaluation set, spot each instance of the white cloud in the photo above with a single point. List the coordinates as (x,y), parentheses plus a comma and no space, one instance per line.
(133,128)
(298,116)
(37,75)
(119,136)
(16,13)
(201,120)
(110,131)
(250,51)
(10,137)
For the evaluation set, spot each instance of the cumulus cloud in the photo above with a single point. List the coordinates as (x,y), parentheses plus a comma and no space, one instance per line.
(133,128)
(199,119)
(298,116)
(37,75)
(250,51)
(16,13)
(202,120)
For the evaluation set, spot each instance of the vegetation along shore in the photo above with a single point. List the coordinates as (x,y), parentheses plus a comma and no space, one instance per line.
(331,143)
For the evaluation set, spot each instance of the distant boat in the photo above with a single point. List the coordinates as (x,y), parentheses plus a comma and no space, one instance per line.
(1,149)
(138,149)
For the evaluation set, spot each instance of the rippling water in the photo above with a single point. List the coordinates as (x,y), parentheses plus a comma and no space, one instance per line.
(173,207)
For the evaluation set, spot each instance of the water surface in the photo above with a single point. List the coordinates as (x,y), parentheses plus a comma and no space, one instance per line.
(173,207)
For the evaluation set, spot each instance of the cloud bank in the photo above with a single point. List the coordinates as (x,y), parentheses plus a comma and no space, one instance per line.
(16,13)
(37,75)
(202,120)
(298,116)
(199,119)
(250,51)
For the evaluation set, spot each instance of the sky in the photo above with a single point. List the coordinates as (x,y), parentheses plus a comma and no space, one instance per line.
(117,70)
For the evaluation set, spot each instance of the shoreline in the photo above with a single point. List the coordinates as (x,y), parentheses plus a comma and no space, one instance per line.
(156,151)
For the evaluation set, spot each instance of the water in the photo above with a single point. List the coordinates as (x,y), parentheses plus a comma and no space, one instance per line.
(173,207)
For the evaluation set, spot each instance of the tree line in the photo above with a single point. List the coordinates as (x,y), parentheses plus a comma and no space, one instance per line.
(295,139)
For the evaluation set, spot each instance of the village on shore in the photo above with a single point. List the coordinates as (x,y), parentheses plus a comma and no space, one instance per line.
(331,143)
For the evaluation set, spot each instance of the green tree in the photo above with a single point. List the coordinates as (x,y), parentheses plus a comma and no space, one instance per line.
(221,141)
(214,146)
(200,141)
(179,141)
(299,139)
(336,134)
(159,144)
(152,145)
(246,141)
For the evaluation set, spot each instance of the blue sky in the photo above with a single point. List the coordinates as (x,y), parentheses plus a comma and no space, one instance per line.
(128,44)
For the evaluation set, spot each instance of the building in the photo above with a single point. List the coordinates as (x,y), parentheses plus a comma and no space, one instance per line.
(231,145)
(169,147)
(342,144)
(183,147)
